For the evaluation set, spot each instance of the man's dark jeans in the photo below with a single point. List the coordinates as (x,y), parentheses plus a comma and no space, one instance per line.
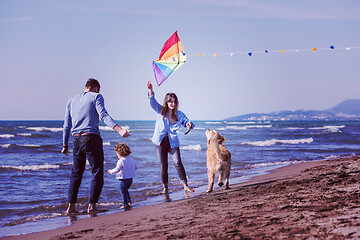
(88,147)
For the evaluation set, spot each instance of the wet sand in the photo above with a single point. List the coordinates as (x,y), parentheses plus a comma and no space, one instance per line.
(312,200)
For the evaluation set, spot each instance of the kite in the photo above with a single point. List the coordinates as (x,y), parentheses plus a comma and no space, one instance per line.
(172,56)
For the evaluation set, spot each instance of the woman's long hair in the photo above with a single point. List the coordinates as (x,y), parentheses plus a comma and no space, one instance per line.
(165,108)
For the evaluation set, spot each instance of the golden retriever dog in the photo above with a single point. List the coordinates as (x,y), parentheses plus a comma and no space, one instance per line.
(218,159)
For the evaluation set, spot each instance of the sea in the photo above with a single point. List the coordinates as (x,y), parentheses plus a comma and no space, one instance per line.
(35,175)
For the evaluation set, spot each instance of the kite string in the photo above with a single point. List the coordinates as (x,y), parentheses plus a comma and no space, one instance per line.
(331,48)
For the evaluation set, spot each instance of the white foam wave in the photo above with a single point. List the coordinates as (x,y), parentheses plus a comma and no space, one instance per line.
(143,130)
(235,128)
(66,164)
(294,128)
(259,126)
(331,157)
(248,127)
(37,218)
(196,147)
(106,144)
(29,145)
(24,134)
(213,122)
(106,128)
(7,135)
(107,204)
(272,142)
(41,129)
(5,145)
(31,167)
(329,128)
(240,123)
(259,165)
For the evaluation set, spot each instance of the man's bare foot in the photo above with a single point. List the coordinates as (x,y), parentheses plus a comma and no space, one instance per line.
(188,189)
(126,207)
(71,209)
(92,208)
(165,190)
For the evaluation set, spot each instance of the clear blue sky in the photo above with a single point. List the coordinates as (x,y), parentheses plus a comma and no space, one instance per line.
(50,48)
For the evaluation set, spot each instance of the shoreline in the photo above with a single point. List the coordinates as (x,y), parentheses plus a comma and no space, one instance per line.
(61,221)
(259,205)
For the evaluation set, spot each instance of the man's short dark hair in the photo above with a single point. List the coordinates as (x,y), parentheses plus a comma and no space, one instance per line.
(92,83)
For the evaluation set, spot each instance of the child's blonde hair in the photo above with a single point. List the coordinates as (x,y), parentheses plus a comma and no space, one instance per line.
(122,149)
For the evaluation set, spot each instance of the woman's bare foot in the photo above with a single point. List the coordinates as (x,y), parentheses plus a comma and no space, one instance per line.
(187,188)
(71,209)
(92,208)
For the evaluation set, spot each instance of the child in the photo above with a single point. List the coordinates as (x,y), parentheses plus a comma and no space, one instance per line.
(125,172)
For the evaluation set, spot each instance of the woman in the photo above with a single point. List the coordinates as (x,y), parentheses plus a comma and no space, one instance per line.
(168,122)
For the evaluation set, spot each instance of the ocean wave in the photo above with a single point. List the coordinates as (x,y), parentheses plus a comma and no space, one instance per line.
(29,145)
(34,218)
(21,145)
(213,122)
(30,167)
(7,135)
(294,128)
(329,128)
(271,142)
(331,157)
(240,123)
(235,128)
(106,128)
(42,129)
(106,144)
(66,164)
(24,134)
(259,165)
(143,130)
(108,204)
(196,147)
(248,127)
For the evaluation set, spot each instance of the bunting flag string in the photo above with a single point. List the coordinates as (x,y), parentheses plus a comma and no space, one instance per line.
(251,53)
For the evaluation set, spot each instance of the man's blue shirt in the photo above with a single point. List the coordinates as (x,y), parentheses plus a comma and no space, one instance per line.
(82,115)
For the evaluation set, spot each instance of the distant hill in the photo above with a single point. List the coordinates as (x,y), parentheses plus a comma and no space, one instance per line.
(348,109)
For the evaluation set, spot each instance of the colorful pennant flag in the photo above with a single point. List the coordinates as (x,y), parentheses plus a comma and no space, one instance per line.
(332,47)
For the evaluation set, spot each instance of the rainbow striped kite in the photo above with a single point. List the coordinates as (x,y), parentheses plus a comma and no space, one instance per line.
(172,57)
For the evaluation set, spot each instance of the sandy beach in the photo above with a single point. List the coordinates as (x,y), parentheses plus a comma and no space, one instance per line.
(311,200)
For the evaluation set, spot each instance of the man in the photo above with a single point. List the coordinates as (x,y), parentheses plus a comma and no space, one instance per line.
(83,112)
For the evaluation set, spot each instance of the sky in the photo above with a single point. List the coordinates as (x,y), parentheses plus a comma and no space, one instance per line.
(49,48)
